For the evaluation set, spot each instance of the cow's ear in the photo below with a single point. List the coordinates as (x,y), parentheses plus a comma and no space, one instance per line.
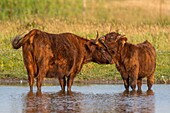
(122,41)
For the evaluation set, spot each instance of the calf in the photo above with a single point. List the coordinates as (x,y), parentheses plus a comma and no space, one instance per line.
(134,62)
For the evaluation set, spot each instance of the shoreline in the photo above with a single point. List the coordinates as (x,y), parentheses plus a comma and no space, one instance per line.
(54,81)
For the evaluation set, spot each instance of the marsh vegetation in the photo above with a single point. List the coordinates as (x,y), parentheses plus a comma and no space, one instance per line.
(138,20)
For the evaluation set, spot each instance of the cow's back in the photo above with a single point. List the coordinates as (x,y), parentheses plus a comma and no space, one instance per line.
(147,58)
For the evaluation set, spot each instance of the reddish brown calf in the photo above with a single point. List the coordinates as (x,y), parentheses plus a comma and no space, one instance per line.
(134,62)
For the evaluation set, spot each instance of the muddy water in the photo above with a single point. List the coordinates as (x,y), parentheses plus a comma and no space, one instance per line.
(84,99)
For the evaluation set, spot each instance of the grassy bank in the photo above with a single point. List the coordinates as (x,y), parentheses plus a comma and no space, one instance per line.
(84,18)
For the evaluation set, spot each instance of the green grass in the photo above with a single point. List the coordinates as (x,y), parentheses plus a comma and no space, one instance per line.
(128,17)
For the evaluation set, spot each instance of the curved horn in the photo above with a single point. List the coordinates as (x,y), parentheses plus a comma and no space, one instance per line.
(86,37)
(110,28)
(97,35)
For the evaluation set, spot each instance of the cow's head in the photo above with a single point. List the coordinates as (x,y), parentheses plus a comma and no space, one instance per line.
(114,43)
(97,52)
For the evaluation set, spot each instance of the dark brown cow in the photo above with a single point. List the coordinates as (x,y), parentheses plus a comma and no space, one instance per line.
(58,55)
(134,62)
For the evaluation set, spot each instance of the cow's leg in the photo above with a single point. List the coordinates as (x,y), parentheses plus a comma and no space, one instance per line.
(125,80)
(39,81)
(124,75)
(30,66)
(133,74)
(139,83)
(41,74)
(31,74)
(69,83)
(43,69)
(62,81)
(150,81)
(126,83)
(31,81)
(40,78)
(133,82)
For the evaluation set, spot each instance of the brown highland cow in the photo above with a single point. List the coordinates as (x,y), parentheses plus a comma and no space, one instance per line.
(58,55)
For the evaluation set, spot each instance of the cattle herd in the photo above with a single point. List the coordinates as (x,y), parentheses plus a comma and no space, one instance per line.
(63,55)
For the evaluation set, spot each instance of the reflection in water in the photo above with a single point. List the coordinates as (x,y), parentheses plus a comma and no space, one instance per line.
(135,102)
(52,102)
(77,102)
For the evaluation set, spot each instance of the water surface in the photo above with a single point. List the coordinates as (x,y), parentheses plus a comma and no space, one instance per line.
(84,99)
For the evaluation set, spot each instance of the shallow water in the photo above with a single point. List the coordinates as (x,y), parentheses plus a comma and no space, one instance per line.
(84,99)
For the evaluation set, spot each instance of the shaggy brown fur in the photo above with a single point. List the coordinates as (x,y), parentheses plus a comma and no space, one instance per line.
(58,55)
(134,62)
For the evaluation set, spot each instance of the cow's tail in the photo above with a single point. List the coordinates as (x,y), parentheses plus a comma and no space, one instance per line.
(18,41)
